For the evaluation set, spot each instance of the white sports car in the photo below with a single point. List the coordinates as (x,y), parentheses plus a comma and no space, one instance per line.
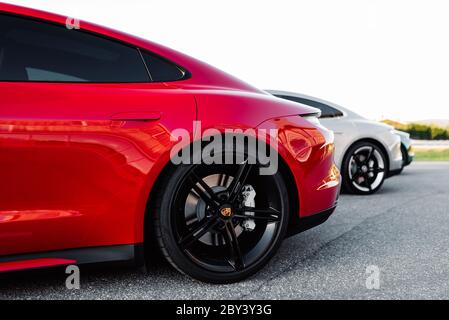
(366,151)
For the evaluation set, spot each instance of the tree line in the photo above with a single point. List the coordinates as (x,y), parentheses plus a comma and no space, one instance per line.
(422,131)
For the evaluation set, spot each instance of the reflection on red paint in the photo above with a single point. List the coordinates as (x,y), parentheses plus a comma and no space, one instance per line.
(35,215)
(34,264)
(332,180)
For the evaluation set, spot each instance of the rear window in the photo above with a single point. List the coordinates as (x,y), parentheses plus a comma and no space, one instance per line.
(38,51)
(162,70)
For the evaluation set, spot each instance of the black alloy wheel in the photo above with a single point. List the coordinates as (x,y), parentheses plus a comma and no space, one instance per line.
(221,223)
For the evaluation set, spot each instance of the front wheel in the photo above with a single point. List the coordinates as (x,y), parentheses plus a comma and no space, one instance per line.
(364,169)
(220,223)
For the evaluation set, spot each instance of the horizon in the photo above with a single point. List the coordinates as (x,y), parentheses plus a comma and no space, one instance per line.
(444,122)
(353,53)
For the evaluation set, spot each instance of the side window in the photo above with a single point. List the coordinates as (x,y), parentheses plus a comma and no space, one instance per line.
(161,69)
(326,111)
(39,51)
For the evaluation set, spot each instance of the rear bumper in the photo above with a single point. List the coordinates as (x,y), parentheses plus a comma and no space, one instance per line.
(395,153)
(306,223)
(309,156)
(407,159)
(410,156)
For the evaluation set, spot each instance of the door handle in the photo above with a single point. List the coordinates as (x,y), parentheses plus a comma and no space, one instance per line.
(141,116)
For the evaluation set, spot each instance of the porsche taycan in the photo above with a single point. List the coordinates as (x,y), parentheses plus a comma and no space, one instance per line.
(91,120)
(366,151)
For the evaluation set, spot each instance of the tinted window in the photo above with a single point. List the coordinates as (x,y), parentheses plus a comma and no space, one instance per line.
(326,111)
(161,69)
(38,51)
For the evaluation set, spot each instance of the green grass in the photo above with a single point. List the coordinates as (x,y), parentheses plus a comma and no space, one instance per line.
(432,154)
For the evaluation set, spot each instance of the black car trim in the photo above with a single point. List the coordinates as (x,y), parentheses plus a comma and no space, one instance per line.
(132,254)
(307,223)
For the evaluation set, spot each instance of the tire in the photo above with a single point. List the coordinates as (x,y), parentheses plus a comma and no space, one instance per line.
(364,168)
(227,252)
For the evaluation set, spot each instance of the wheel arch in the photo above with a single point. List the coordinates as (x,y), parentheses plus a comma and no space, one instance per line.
(168,166)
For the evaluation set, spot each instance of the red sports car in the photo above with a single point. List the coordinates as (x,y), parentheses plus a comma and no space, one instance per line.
(91,121)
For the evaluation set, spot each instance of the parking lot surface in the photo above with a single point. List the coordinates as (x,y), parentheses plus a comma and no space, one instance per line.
(403,232)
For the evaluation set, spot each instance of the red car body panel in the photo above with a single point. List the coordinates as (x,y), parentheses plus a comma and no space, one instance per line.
(78,161)
(63,151)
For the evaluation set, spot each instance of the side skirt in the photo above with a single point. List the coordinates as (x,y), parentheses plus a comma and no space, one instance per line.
(123,254)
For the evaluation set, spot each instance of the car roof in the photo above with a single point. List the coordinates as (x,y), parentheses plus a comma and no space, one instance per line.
(203,73)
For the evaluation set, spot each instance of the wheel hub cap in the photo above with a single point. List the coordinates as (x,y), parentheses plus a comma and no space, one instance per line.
(226,211)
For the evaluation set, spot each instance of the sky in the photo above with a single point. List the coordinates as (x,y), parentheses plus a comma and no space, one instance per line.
(382,59)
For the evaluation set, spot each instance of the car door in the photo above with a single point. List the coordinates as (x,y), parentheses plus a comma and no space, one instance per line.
(82,123)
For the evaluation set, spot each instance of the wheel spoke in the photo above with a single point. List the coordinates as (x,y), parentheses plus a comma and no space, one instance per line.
(367,184)
(203,195)
(217,239)
(377,170)
(270,214)
(370,154)
(200,229)
(239,180)
(205,186)
(193,193)
(234,247)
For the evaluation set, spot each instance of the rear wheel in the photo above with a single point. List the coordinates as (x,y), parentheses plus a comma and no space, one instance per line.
(220,223)
(364,168)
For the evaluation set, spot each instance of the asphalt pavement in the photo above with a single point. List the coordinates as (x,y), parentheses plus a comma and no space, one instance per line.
(402,233)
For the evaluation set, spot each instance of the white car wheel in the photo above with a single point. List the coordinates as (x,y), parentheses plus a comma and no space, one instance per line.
(364,168)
